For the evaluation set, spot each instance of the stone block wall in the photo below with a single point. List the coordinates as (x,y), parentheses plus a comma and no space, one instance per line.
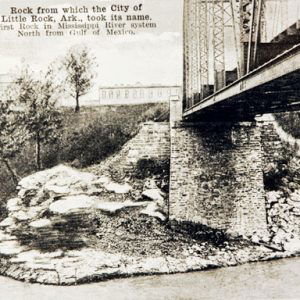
(152,141)
(271,143)
(216,176)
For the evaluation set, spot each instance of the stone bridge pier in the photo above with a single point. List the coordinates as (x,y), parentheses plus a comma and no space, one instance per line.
(216,175)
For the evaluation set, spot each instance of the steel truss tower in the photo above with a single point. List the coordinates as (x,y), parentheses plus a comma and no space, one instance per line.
(204,42)
(218,43)
(203,35)
(251,12)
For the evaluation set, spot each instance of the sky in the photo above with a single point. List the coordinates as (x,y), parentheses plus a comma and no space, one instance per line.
(150,57)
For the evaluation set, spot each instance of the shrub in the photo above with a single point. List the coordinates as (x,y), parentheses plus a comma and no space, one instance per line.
(94,134)
(285,168)
(150,167)
(290,122)
(273,175)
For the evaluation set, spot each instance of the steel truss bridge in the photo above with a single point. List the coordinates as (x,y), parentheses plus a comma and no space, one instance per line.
(241,58)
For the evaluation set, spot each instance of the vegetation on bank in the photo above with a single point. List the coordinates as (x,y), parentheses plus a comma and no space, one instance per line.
(290,122)
(285,169)
(83,139)
(35,133)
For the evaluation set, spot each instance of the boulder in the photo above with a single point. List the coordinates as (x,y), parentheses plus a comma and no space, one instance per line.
(296,211)
(7,222)
(14,204)
(59,180)
(27,213)
(255,238)
(11,248)
(150,184)
(295,197)
(70,203)
(281,237)
(41,223)
(114,207)
(22,216)
(118,188)
(6,237)
(153,194)
(258,238)
(56,208)
(293,245)
(111,207)
(272,197)
(102,180)
(56,189)
(39,198)
(153,210)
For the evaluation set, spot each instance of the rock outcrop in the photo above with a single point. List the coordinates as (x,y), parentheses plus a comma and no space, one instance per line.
(55,206)
(68,227)
(284,219)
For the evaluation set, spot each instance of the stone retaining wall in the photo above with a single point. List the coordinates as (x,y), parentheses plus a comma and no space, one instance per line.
(151,142)
(271,143)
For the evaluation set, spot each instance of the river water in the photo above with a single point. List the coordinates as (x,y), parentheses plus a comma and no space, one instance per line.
(278,279)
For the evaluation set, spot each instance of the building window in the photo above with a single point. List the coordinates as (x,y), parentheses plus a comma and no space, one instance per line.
(150,93)
(160,92)
(135,94)
(111,94)
(118,94)
(104,94)
(142,93)
(126,94)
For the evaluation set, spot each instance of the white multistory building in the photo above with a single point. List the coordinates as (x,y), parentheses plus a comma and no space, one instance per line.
(137,94)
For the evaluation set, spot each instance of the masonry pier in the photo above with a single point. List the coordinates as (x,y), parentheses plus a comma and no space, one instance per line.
(217,176)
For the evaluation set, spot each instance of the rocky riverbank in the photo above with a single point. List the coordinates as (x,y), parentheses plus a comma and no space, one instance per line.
(90,264)
(68,227)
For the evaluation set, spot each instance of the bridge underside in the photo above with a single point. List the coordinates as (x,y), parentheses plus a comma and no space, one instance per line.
(274,87)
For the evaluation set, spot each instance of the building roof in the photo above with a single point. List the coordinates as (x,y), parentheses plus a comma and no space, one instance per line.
(137,86)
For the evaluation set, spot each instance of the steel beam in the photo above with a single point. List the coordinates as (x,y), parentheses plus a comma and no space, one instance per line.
(287,63)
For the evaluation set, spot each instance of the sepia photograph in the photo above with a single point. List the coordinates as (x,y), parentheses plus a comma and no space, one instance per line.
(149,149)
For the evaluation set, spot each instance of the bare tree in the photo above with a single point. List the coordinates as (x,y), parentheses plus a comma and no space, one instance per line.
(78,65)
(12,139)
(38,114)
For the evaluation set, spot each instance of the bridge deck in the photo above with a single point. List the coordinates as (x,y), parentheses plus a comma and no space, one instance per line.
(275,86)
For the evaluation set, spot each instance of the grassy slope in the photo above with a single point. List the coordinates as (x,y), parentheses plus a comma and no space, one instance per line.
(86,138)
